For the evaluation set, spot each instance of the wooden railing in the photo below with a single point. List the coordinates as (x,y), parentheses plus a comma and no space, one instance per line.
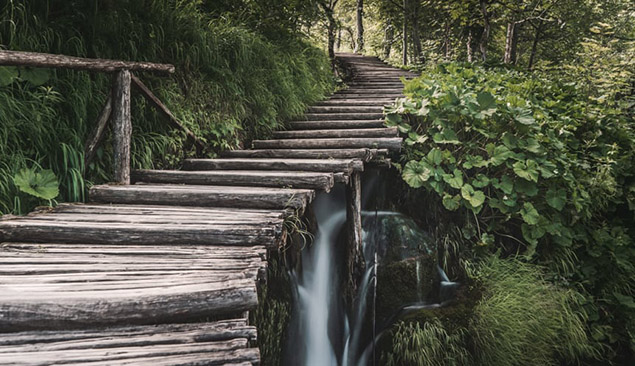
(117,107)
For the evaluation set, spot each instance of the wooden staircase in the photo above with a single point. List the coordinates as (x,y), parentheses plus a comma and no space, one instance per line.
(164,271)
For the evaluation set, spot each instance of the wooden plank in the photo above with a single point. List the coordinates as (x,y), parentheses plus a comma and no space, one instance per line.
(34,59)
(345,143)
(204,196)
(338,133)
(346,109)
(250,178)
(383,96)
(355,102)
(75,231)
(341,116)
(97,134)
(362,154)
(363,90)
(121,126)
(54,286)
(325,125)
(171,344)
(154,101)
(312,165)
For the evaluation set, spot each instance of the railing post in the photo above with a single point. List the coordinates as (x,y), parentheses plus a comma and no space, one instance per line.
(122,126)
(354,255)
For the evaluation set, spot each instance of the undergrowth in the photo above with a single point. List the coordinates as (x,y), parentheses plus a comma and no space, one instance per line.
(231,85)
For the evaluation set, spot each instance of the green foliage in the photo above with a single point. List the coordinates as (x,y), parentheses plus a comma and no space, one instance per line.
(535,166)
(232,84)
(41,184)
(520,319)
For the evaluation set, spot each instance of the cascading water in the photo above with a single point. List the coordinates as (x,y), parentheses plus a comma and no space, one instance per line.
(321,332)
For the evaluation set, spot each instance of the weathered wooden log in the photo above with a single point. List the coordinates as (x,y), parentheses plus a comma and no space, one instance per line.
(361,90)
(341,116)
(174,211)
(367,97)
(309,165)
(346,109)
(174,122)
(354,102)
(250,178)
(73,230)
(97,134)
(34,59)
(121,126)
(325,125)
(141,345)
(341,178)
(354,253)
(345,143)
(203,196)
(362,154)
(337,133)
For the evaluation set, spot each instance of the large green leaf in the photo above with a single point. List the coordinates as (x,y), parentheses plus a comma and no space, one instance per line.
(452,203)
(556,198)
(500,154)
(8,74)
(527,170)
(529,214)
(475,198)
(455,180)
(415,174)
(42,184)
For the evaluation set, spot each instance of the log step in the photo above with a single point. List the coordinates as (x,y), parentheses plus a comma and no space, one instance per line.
(203,196)
(342,116)
(229,227)
(362,154)
(371,91)
(309,165)
(357,102)
(346,109)
(337,133)
(325,125)
(344,143)
(381,97)
(62,286)
(248,178)
(221,342)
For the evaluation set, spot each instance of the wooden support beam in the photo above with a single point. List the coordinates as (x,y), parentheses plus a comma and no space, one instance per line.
(122,126)
(34,59)
(154,101)
(354,252)
(97,134)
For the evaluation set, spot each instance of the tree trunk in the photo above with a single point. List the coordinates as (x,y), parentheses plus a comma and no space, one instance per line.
(388,39)
(486,30)
(470,50)
(508,57)
(121,126)
(534,46)
(405,33)
(331,37)
(416,40)
(360,26)
(338,43)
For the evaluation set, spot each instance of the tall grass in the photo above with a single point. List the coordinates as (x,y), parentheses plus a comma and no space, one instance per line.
(521,319)
(231,86)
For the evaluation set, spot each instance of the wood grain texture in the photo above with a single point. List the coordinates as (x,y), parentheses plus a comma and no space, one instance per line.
(338,133)
(331,125)
(174,344)
(121,126)
(51,286)
(249,178)
(34,59)
(310,165)
(362,154)
(205,196)
(345,143)
(339,116)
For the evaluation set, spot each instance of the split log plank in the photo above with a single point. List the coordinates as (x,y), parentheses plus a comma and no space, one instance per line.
(342,116)
(337,133)
(121,126)
(247,178)
(362,154)
(346,109)
(204,196)
(309,165)
(345,143)
(325,125)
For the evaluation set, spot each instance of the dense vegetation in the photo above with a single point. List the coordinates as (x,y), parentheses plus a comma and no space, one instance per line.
(239,74)
(532,166)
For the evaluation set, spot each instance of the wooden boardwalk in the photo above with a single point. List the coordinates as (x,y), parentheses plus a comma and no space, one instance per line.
(164,271)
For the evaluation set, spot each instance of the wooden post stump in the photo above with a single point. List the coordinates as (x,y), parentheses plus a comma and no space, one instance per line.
(355,261)
(121,126)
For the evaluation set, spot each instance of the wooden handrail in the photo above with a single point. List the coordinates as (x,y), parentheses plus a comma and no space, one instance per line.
(34,59)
